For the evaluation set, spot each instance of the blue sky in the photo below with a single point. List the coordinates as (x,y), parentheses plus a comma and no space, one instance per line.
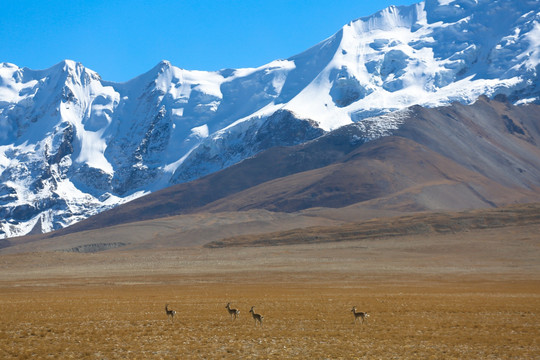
(121,39)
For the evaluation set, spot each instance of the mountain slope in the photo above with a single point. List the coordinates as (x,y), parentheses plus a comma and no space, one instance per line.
(438,159)
(73,144)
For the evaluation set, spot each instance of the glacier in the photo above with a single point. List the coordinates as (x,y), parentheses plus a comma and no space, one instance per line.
(73,145)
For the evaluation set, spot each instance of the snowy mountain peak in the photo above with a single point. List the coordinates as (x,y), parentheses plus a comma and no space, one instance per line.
(391,18)
(402,56)
(165,64)
(72,144)
(162,67)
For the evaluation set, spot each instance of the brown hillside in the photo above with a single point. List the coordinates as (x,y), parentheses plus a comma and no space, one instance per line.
(417,224)
(389,166)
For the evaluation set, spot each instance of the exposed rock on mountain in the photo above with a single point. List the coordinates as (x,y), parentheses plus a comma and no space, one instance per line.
(446,158)
(73,144)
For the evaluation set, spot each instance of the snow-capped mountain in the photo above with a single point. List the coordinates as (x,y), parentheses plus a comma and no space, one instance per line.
(72,144)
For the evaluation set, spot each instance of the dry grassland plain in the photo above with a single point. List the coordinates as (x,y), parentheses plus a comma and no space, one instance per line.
(468,296)
(465,321)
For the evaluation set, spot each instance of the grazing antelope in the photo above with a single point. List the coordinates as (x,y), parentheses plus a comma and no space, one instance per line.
(360,314)
(233,312)
(256,317)
(170,313)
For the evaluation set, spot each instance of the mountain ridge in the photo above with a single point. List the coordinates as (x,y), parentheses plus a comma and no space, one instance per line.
(408,171)
(73,145)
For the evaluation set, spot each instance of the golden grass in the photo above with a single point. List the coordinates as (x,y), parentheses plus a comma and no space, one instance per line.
(466,295)
(311,319)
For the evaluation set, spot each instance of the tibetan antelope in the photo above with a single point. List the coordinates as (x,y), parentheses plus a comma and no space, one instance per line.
(360,314)
(233,312)
(170,313)
(256,317)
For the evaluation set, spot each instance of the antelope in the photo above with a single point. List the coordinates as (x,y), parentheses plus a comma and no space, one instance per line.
(233,312)
(256,317)
(170,313)
(360,314)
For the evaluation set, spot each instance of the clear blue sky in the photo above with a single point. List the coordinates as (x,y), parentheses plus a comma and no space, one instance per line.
(121,39)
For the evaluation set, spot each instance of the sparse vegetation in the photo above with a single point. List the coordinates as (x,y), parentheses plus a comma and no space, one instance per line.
(450,321)
(416,224)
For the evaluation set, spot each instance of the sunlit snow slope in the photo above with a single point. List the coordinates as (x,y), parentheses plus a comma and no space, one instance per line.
(72,144)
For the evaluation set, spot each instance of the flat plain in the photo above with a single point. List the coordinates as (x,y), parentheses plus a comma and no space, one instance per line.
(459,295)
